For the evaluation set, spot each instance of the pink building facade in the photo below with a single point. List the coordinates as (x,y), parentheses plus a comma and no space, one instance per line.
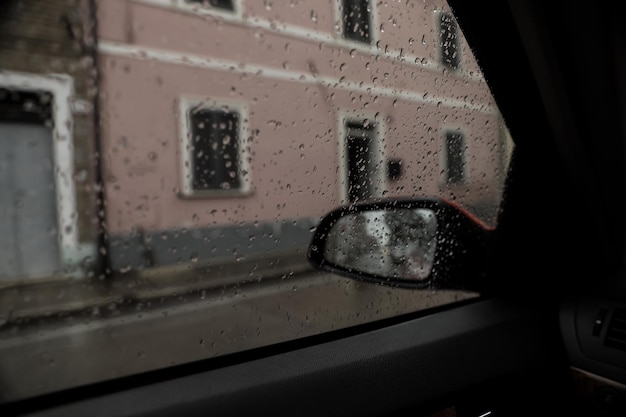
(229,127)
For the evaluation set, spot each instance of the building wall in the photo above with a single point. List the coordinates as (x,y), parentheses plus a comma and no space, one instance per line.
(47,44)
(295,77)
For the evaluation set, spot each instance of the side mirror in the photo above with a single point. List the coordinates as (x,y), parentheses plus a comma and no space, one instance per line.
(421,243)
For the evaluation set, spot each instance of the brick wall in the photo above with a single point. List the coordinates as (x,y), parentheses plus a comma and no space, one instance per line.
(53,36)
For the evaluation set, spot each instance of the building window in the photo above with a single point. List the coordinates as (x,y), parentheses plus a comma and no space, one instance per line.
(449,41)
(219,4)
(25,106)
(214,149)
(213,159)
(455,157)
(356,20)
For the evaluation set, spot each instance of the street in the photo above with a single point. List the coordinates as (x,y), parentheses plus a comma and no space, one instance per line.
(122,340)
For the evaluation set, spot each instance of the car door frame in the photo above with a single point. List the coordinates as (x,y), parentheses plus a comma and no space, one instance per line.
(502,350)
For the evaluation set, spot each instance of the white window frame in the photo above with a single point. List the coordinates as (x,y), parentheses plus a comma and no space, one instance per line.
(61,88)
(187,103)
(380,175)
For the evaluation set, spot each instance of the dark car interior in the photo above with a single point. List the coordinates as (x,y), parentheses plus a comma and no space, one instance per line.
(548,334)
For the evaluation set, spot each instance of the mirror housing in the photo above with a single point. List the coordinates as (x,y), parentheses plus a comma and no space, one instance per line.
(418,243)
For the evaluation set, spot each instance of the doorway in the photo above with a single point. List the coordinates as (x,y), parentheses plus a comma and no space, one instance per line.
(362,181)
(29,244)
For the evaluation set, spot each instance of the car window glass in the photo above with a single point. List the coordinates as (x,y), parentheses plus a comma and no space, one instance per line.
(163,164)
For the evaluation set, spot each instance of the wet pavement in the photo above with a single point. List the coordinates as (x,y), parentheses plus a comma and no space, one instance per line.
(47,354)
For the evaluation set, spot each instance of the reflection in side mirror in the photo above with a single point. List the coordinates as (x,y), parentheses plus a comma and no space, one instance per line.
(397,243)
(426,242)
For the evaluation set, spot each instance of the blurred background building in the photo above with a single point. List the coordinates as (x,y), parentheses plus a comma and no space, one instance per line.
(48,146)
(219,131)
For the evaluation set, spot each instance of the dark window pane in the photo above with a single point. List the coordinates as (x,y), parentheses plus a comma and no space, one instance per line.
(455,158)
(25,106)
(220,4)
(356,20)
(214,148)
(449,41)
(360,148)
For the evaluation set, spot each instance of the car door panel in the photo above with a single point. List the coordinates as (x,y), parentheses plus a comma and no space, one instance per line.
(405,367)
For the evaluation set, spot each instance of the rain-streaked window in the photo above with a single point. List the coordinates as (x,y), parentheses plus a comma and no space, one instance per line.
(165,163)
